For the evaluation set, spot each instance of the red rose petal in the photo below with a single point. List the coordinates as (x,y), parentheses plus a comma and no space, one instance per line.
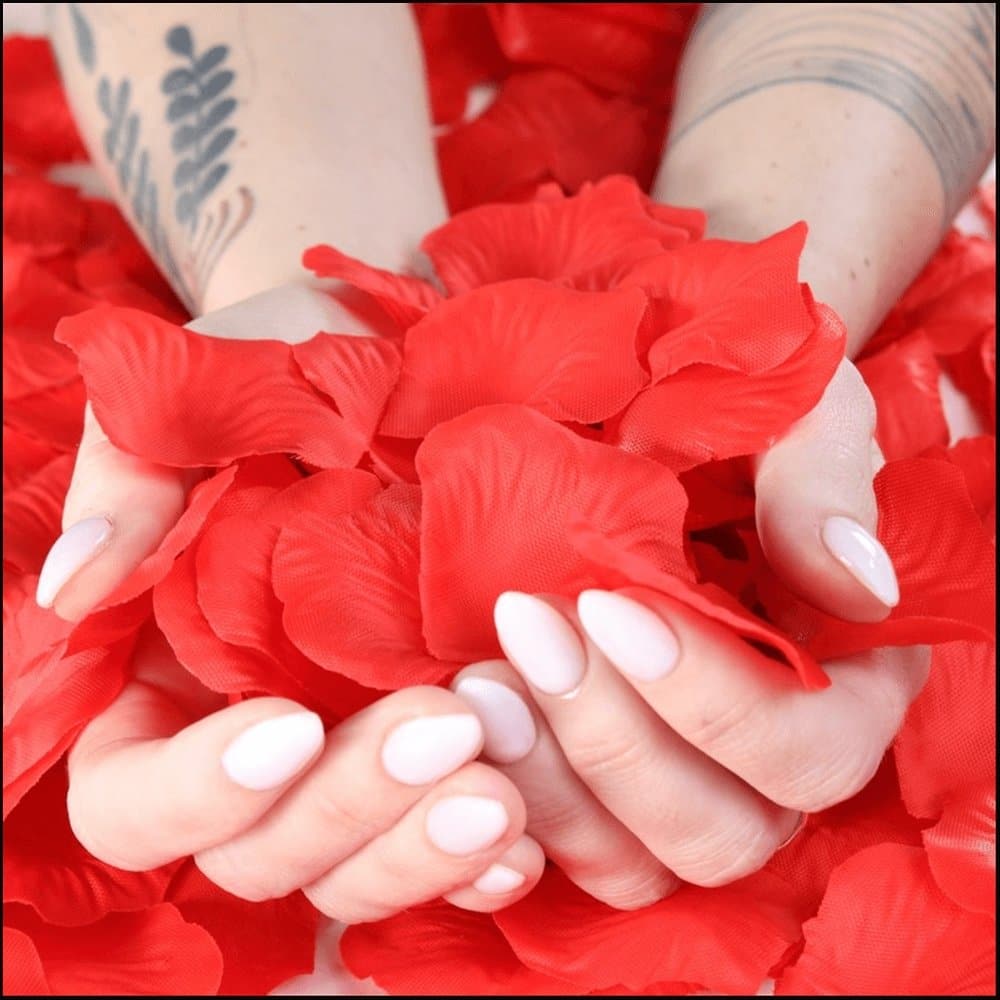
(570,355)
(629,49)
(38,127)
(23,974)
(547,125)
(157,564)
(723,939)
(349,586)
(610,224)
(948,740)
(46,868)
(502,488)
(704,413)
(734,305)
(903,379)
(884,928)
(151,952)
(439,950)
(962,848)
(185,399)
(404,299)
(32,515)
(263,944)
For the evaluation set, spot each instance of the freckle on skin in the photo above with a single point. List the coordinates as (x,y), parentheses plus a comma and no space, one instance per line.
(773,164)
(854,276)
(868,263)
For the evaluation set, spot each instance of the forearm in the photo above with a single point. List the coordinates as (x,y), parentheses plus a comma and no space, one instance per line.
(302,123)
(871,121)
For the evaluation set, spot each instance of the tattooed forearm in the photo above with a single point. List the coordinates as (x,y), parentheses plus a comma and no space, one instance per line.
(198,110)
(932,64)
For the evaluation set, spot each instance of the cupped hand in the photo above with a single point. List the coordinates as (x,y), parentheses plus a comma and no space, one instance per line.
(653,746)
(119,507)
(384,811)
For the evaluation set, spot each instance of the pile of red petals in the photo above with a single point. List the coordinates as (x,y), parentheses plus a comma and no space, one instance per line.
(571,406)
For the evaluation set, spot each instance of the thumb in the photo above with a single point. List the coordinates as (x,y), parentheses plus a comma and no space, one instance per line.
(117,511)
(816,511)
(119,507)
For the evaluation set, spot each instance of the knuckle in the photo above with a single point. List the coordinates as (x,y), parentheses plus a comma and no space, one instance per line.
(333,902)
(227,868)
(630,889)
(832,777)
(722,728)
(607,754)
(356,819)
(723,856)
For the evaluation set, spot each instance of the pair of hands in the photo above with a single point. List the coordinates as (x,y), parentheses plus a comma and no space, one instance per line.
(630,738)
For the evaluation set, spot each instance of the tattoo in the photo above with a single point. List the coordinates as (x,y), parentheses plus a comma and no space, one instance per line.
(932,64)
(198,107)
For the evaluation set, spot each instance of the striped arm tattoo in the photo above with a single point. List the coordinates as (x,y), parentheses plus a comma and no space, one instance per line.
(933,64)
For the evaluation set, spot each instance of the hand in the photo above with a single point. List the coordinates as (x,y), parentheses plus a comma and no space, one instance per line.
(652,745)
(119,507)
(381,813)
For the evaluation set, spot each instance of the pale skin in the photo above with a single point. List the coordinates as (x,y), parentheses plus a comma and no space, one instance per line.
(635,777)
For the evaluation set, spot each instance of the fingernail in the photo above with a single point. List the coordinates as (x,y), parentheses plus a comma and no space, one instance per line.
(498,880)
(464,824)
(508,727)
(800,825)
(73,549)
(423,750)
(269,753)
(636,640)
(863,556)
(540,642)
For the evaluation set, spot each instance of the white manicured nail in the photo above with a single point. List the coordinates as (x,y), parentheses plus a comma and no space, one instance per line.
(636,640)
(464,824)
(498,880)
(508,726)
(72,550)
(269,753)
(863,556)
(540,642)
(422,750)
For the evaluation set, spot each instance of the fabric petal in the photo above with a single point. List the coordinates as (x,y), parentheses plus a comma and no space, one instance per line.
(23,974)
(349,587)
(546,125)
(570,355)
(405,299)
(884,928)
(962,848)
(185,399)
(606,226)
(705,413)
(151,952)
(904,379)
(32,515)
(948,739)
(439,950)
(263,944)
(733,305)
(502,489)
(723,939)
(46,867)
